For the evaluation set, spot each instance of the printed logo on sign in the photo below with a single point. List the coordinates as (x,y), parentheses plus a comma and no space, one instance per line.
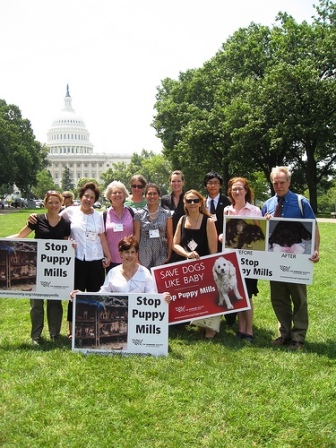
(137,341)
(285,268)
(45,284)
(180,309)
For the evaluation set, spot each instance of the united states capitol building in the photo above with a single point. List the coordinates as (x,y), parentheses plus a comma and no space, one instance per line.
(69,146)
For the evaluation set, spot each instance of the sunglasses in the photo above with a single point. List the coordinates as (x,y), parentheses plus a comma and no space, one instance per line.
(195,201)
(66,197)
(139,187)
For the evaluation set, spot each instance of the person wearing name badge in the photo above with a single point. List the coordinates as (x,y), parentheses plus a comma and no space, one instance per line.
(129,276)
(216,201)
(289,300)
(196,236)
(154,230)
(136,199)
(48,225)
(215,204)
(92,251)
(118,219)
(241,196)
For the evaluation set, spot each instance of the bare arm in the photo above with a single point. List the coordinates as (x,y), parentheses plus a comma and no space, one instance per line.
(212,236)
(24,232)
(169,232)
(177,240)
(137,230)
(316,256)
(106,250)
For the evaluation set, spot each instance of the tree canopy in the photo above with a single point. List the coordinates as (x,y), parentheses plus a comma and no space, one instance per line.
(266,98)
(22,156)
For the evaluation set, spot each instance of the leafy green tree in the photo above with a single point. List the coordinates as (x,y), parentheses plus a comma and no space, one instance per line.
(44,183)
(66,183)
(22,157)
(266,99)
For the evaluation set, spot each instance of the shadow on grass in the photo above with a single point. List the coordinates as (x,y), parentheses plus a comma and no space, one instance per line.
(45,345)
(189,335)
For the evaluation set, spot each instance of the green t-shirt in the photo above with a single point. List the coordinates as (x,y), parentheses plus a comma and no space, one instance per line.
(130,203)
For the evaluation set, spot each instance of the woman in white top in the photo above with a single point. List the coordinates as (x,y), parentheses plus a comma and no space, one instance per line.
(129,276)
(92,251)
(241,196)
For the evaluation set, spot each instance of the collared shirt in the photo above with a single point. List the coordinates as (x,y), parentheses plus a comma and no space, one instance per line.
(114,233)
(290,207)
(247,210)
(85,230)
(209,199)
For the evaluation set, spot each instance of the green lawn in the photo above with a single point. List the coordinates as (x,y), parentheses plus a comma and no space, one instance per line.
(220,393)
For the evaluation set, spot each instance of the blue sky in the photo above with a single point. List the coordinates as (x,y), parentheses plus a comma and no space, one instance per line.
(114,54)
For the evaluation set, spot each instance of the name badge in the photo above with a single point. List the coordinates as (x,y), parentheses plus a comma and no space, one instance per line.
(90,235)
(154,233)
(118,227)
(192,245)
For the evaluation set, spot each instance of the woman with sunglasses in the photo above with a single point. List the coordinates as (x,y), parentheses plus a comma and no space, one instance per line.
(138,184)
(195,237)
(47,226)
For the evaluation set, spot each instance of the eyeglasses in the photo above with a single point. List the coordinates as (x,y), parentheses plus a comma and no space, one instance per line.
(237,189)
(139,187)
(195,201)
(213,183)
(52,192)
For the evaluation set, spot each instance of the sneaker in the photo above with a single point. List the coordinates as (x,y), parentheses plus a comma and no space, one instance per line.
(278,342)
(36,341)
(295,346)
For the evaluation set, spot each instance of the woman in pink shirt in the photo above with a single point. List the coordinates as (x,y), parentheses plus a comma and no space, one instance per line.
(241,196)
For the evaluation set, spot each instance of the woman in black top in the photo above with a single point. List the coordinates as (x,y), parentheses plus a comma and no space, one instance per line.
(195,237)
(49,226)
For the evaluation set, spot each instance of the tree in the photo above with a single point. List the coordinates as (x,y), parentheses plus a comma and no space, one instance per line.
(152,166)
(44,183)
(66,182)
(267,98)
(22,157)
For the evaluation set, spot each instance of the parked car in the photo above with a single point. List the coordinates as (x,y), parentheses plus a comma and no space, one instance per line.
(39,203)
(97,205)
(19,202)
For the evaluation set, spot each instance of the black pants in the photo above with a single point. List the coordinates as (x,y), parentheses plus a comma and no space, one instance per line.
(89,277)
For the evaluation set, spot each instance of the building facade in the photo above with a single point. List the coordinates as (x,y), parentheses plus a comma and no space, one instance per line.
(69,146)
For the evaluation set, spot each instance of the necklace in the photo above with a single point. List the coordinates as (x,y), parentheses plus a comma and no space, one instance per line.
(129,274)
(154,214)
(193,223)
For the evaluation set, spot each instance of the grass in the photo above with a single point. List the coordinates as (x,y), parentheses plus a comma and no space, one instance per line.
(220,393)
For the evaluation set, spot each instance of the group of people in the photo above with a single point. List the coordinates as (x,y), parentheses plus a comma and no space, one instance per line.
(114,250)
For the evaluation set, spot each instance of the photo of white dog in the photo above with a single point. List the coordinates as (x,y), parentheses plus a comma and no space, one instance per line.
(225,277)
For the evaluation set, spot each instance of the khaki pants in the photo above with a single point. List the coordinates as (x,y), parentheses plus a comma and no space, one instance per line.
(289,301)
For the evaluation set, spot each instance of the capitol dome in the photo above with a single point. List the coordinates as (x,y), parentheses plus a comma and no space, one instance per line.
(70,148)
(68,134)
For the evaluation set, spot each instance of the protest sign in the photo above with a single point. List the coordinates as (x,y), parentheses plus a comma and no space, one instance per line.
(207,287)
(36,268)
(120,323)
(277,249)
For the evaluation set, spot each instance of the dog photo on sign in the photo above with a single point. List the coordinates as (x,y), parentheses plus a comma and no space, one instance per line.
(293,237)
(244,234)
(225,277)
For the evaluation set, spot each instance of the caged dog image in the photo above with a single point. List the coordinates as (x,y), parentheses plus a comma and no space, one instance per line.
(290,237)
(238,233)
(224,274)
